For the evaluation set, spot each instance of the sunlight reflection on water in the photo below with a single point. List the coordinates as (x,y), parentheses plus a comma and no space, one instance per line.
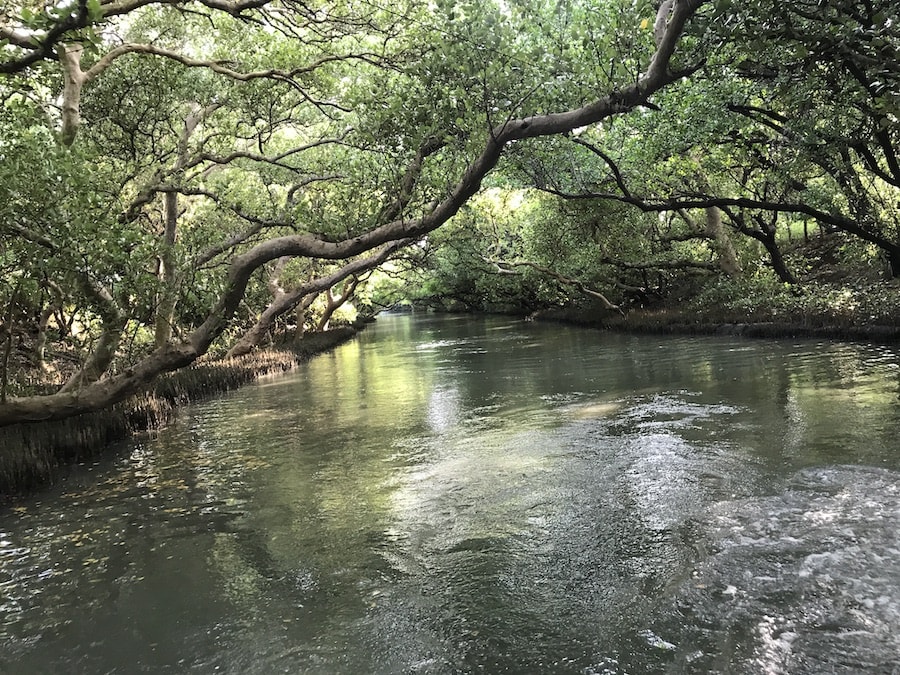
(485,496)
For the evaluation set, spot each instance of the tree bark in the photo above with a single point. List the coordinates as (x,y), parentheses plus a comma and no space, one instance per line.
(300,315)
(251,339)
(303,296)
(332,303)
(168,297)
(765,234)
(73,81)
(53,305)
(724,248)
(165,306)
(779,266)
(893,259)
(7,344)
(102,355)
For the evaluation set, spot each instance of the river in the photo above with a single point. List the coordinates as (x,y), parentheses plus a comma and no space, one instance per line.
(459,495)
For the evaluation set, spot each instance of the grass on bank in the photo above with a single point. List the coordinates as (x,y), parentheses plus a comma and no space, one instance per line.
(35,454)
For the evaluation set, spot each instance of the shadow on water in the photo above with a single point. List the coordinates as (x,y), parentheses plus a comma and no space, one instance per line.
(459,495)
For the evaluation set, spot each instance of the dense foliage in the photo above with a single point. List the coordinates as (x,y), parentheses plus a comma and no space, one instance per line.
(178,178)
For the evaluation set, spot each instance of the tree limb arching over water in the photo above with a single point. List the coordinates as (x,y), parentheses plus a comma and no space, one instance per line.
(115,387)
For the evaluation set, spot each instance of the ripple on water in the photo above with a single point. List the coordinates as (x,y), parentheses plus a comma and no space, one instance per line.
(802,582)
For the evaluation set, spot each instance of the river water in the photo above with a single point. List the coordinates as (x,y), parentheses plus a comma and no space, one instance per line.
(447,495)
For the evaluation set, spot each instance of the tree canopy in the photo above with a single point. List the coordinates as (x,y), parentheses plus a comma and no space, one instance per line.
(180,177)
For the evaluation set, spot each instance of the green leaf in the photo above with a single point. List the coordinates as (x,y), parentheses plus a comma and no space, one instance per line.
(95,11)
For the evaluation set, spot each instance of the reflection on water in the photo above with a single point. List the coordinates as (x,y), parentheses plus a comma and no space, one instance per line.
(459,495)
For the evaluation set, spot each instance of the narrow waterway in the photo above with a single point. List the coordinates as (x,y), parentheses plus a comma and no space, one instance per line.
(449,495)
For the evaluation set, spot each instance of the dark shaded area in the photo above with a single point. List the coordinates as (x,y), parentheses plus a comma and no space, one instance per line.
(673,322)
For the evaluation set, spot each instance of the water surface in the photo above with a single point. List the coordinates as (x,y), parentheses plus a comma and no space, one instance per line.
(449,495)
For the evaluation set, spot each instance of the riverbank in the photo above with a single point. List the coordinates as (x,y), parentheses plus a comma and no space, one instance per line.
(863,310)
(673,322)
(36,454)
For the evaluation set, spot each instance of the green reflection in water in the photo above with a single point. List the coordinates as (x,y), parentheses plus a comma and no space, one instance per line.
(454,495)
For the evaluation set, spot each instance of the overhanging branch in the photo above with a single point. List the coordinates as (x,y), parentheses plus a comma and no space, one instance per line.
(173,356)
(503,265)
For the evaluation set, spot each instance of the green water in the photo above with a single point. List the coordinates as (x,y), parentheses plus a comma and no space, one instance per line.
(448,495)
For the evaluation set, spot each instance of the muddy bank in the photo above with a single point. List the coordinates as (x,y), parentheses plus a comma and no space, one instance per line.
(32,455)
(677,323)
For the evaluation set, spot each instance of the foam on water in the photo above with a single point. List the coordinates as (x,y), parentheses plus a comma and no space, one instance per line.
(807,581)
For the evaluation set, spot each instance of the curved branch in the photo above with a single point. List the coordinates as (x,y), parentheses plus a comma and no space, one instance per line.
(334,302)
(410,178)
(32,236)
(17,37)
(617,174)
(75,78)
(103,353)
(655,205)
(218,249)
(113,317)
(568,281)
(221,67)
(173,356)
(42,47)
(285,301)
